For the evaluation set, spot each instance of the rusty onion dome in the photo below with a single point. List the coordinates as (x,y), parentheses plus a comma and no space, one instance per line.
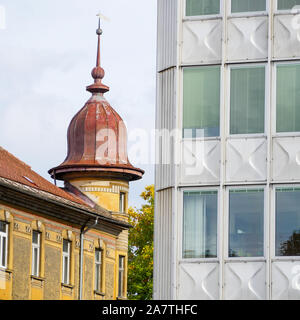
(97,138)
(97,142)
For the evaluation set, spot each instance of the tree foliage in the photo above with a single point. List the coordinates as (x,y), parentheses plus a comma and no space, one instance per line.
(140,248)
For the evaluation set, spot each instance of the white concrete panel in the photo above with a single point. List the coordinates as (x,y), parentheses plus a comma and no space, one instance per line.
(286,280)
(246,159)
(198,281)
(202,41)
(247,38)
(200,161)
(286,36)
(286,159)
(245,281)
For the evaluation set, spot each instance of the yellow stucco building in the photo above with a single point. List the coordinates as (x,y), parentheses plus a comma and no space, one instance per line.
(71,242)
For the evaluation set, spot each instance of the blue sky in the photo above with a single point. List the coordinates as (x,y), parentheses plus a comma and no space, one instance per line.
(47,51)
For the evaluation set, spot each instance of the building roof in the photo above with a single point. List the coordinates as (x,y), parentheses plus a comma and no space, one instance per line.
(18,176)
(16,170)
(97,137)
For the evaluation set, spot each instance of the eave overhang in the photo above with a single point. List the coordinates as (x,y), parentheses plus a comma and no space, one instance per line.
(51,206)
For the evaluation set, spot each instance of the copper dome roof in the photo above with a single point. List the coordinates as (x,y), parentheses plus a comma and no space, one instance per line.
(97,137)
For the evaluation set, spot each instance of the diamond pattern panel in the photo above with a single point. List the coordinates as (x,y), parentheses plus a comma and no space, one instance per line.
(200,162)
(247,38)
(202,41)
(245,281)
(286,36)
(199,281)
(286,159)
(286,280)
(246,159)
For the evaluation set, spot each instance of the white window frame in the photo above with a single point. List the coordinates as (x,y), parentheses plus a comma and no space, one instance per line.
(122,201)
(64,266)
(203,17)
(228,89)
(273,225)
(99,263)
(121,279)
(4,235)
(38,247)
(274,98)
(265,226)
(248,13)
(219,222)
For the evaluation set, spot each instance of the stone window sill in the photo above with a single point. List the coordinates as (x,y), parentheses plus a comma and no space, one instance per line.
(98,293)
(37,278)
(69,286)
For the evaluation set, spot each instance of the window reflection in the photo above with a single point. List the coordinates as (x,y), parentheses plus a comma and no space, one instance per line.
(246,223)
(288,221)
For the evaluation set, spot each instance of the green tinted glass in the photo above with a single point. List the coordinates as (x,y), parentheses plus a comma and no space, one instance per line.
(201,101)
(202,7)
(248,5)
(288,98)
(247,100)
(287,4)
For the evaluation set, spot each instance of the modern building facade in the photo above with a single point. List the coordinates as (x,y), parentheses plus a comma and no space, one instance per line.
(227,217)
(71,242)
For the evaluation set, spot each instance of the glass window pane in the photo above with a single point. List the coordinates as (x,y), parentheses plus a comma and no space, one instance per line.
(202,7)
(200,224)
(287,222)
(2,226)
(287,4)
(288,98)
(201,101)
(66,266)
(248,5)
(65,246)
(122,202)
(246,223)
(35,237)
(247,100)
(35,262)
(98,277)
(3,262)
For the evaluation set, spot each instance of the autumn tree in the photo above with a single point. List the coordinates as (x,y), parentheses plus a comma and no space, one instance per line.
(140,248)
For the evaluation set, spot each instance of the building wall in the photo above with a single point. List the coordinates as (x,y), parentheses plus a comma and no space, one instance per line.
(16,281)
(267,160)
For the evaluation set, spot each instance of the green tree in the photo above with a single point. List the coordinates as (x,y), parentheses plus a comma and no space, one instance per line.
(140,248)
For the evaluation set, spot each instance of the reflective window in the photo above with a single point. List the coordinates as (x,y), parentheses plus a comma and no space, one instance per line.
(98,270)
(246,223)
(66,262)
(36,248)
(201,102)
(287,4)
(3,244)
(122,202)
(287,221)
(202,7)
(247,100)
(121,276)
(288,98)
(200,210)
(247,5)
